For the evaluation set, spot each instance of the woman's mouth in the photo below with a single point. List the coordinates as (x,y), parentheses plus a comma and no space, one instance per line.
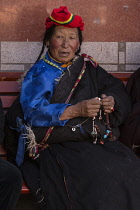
(64,54)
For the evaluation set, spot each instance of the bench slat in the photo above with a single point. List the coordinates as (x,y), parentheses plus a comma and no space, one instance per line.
(10,76)
(124,76)
(9,87)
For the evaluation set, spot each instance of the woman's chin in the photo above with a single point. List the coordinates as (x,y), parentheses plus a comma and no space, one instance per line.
(64,60)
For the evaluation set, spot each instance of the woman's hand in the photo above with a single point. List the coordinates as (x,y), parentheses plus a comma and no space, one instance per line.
(89,108)
(86,108)
(108,103)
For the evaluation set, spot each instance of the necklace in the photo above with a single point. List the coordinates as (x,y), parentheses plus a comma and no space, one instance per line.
(52,64)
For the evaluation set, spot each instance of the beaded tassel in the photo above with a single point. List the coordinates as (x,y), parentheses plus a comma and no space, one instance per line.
(94,131)
(100,114)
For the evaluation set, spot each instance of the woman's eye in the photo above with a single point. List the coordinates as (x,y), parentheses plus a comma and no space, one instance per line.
(59,37)
(71,37)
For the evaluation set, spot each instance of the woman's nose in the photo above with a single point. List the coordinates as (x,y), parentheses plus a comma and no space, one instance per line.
(65,43)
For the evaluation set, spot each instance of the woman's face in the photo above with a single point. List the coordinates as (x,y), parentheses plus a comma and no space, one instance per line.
(64,43)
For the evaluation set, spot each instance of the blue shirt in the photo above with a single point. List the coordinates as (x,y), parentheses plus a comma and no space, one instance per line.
(36,91)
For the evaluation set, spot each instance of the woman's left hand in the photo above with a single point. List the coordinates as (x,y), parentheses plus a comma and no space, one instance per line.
(108,103)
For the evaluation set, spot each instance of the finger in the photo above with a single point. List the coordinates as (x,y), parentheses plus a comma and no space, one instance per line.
(93,111)
(93,114)
(107,99)
(108,109)
(107,104)
(95,101)
(103,96)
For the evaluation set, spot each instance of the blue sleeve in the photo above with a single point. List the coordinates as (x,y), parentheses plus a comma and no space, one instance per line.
(36,92)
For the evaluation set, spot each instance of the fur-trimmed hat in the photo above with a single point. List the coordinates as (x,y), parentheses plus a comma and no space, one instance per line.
(61,16)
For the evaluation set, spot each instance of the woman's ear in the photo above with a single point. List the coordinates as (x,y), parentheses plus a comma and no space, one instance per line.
(47,44)
(79,46)
(78,49)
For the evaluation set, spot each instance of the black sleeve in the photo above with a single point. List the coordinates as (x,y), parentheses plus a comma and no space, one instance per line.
(112,86)
(10,143)
(11,135)
(2,121)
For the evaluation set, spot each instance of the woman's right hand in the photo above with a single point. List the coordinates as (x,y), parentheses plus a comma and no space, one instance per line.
(89,108)
(86,108)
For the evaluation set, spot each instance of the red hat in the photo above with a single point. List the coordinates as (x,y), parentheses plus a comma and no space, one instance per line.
(61,16)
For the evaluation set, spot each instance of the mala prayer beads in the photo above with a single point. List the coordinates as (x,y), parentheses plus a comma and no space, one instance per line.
(96,131)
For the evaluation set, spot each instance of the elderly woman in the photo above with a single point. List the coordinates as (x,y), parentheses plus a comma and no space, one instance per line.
(67,127)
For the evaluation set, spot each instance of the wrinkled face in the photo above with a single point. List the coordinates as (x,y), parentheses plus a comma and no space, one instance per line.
(64,43)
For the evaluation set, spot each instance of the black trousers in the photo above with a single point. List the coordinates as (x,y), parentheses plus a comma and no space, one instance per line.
(10,185)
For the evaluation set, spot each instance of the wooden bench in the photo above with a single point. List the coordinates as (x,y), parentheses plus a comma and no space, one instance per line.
(10,88)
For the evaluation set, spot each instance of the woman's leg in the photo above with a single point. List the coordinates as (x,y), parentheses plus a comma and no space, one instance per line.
(10,185)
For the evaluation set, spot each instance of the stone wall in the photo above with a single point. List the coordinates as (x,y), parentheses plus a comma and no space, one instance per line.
(112,56)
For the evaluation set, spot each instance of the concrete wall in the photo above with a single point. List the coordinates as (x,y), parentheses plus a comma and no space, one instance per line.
(111,35)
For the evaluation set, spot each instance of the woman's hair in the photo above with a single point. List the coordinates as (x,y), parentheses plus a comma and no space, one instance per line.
(49,33)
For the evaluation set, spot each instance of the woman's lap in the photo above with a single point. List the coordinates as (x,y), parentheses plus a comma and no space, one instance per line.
(95,175)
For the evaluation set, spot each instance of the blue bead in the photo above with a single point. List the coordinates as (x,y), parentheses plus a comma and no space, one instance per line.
(105,136)
(107,131)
